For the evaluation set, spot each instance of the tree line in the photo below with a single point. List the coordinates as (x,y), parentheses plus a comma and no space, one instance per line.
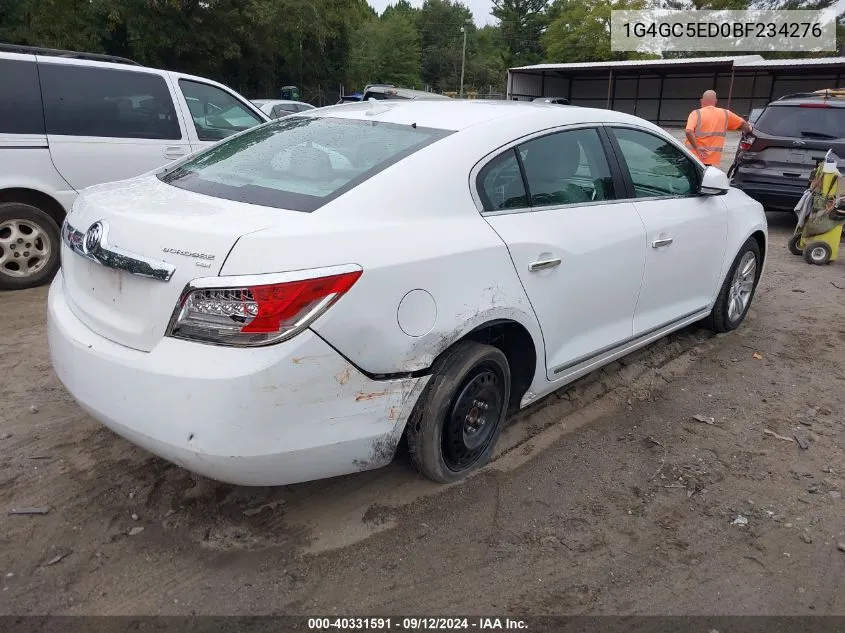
(258,46)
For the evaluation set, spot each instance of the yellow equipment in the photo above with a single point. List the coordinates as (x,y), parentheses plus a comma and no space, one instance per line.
(820,217)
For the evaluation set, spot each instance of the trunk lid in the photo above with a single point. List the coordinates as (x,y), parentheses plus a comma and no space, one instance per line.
(188,234)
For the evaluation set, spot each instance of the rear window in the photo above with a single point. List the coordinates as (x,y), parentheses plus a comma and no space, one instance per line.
(299,163)
(803,122)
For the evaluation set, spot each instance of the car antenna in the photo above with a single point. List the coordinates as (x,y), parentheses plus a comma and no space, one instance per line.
(414,125)
(376,107)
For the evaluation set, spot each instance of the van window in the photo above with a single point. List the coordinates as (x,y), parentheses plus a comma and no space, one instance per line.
(216,113)
(20,103)
(299,163)
(93,101)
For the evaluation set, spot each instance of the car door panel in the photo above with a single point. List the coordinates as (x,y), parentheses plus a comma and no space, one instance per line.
(580,260)
(685,232)
(586,302)
(105,124)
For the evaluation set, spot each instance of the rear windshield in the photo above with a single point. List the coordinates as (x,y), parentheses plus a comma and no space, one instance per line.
(802,122)
(299,163)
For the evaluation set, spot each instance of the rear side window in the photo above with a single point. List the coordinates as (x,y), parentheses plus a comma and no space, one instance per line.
(20,98)
(566,168)
(500,184)
(91,101)
(803,122)
(299,163)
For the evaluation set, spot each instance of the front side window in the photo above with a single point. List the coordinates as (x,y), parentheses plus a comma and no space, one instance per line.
(657,167)
(216,114)
(20,104)
(299,163)
(93,101)
(566,168)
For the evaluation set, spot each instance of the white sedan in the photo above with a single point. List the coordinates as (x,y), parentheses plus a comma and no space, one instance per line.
(260,320)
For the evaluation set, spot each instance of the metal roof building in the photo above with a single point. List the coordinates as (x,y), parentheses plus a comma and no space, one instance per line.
(665,91)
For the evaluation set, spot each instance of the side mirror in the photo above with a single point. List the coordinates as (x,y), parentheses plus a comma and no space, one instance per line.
(714,182)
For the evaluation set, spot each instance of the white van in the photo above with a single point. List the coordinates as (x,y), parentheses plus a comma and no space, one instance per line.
(71,120)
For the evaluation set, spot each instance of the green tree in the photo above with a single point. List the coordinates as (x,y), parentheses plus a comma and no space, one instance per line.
(386,50)
(522,23)
(579,30)
(439,24)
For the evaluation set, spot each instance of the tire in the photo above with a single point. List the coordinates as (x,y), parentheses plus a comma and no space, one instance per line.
(817,253)
(29,246)
(444,439)
(726,315)
(793,245)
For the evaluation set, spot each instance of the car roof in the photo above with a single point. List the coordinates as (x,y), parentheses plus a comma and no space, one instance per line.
(456,114)
(283,102)
(407,92)
(833,98)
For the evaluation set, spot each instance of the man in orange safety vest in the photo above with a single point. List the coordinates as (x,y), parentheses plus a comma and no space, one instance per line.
(707,126)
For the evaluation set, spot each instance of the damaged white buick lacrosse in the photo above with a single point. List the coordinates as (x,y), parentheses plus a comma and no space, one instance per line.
(292,302)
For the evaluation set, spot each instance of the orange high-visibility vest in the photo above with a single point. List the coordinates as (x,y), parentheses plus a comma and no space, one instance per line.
(709,125)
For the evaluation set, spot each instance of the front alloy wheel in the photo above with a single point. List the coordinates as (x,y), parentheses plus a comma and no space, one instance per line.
(738,289)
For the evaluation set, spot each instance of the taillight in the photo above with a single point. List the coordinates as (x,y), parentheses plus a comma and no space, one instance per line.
(814,105)
(746,142)
(223,311)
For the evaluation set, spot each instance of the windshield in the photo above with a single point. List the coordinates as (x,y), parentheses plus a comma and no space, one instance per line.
(299,163)
(803,122)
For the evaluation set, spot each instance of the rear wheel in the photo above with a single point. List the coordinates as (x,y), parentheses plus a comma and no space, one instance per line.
(29,246)
(738,289)
(462,410)
(795,245)
(817,253)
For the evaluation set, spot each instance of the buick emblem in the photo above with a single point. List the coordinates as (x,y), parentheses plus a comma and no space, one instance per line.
(93,237)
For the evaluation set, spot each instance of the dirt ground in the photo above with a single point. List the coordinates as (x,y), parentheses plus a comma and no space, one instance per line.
(609,498)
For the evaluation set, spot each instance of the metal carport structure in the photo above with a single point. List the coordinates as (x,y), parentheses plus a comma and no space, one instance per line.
(664,91)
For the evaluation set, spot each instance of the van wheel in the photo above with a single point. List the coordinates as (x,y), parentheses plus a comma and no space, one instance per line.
(738,289)
(460,414)
(29,246)
(817,253)
(795,245)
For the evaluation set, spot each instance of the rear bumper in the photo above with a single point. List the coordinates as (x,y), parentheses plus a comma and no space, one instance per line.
(774,197)
(282,414)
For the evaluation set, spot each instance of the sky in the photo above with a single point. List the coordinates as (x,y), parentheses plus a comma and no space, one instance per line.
(480,8)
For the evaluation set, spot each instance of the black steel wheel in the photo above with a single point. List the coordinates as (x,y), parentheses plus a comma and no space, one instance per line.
(461,412)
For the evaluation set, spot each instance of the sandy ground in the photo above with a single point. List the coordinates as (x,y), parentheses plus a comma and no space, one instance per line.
(608,498)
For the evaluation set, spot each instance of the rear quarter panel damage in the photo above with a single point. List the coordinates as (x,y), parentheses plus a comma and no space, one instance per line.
(407,233)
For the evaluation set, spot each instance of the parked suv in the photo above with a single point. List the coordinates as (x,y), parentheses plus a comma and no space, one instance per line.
(69,120)
(789,138)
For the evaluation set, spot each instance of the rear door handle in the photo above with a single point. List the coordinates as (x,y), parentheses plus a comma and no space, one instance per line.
(664,241)
(174,152)
(543,264)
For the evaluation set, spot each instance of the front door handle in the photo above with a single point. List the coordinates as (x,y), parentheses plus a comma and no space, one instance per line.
(543,264)
(664,241)
(174,152)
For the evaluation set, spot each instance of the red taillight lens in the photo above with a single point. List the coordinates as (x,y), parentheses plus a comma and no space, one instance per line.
(256,314)
(814,105)
(746,143)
